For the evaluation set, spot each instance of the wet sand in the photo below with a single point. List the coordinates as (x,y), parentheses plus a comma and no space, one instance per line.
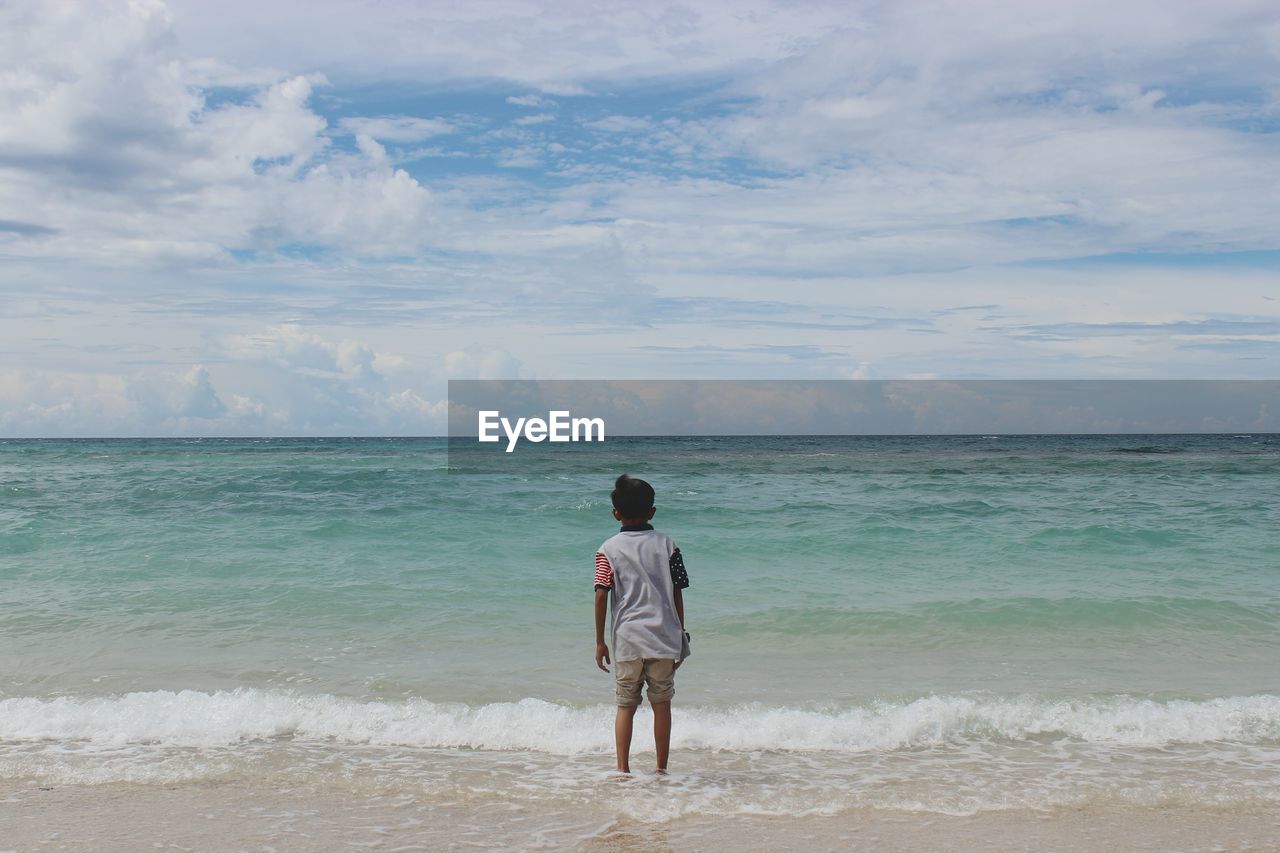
(223,816)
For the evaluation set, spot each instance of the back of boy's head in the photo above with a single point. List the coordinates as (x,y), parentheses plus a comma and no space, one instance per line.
(632,498)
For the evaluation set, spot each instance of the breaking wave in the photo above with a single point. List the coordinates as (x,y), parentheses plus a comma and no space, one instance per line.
(197,719)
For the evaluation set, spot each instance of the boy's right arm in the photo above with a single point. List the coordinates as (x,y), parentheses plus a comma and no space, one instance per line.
(602,650)
(604,583)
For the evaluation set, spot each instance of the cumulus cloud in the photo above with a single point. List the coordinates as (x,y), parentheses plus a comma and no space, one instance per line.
(60,403)
(48,403)
(319,384)
(282,380)
(192,395)
(291,347)
(112,150)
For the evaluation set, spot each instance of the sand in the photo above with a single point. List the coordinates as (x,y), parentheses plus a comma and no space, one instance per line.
(234,816)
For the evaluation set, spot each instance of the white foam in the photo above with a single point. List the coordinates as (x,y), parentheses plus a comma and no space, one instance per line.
(197,719)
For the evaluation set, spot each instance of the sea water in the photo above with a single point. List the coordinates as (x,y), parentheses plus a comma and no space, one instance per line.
(949,624)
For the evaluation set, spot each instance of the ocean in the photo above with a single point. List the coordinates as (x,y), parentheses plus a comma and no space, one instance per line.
(911,625)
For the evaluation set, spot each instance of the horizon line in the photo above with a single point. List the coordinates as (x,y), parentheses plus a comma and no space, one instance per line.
(629,435)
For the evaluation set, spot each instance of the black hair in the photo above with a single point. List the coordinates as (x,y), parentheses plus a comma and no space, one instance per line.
(632,498)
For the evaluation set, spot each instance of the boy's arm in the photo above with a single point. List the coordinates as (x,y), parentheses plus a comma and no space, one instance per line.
(604,583)
(602,650)
(679,581)
(679,601)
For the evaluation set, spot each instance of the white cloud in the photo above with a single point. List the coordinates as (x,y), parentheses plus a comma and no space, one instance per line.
(619,124)
(536,118)
(292,347)
(479,362)
(71,404)
(48,403)
(531,101)
(900,143)
(190,395)
(555,47)
(283,380)
(397,128)
(523,157)
(113,148)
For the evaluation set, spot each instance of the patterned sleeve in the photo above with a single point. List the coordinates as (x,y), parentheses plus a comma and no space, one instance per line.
(604,572)
(679,577)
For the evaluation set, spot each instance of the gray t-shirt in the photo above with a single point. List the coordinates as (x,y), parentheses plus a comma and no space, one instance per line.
(642,568)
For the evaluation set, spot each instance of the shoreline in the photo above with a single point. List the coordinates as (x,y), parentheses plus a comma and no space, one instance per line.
(223,815)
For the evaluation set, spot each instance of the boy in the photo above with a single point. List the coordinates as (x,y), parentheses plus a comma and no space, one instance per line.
(640,571)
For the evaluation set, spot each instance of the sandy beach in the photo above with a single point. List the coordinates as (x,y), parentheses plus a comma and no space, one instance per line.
(221,816)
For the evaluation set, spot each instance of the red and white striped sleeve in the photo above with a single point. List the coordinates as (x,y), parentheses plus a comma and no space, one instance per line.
(604,572)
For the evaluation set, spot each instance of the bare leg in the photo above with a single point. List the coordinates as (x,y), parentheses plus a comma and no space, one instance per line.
(662,732)
(622,737)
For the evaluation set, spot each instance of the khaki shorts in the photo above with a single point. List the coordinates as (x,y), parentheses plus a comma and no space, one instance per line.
(659,674)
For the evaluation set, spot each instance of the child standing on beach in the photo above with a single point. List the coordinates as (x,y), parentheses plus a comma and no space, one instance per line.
(641,573)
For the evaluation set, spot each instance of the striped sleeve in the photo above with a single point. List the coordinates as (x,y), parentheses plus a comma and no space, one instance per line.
(679,577)
(604,572)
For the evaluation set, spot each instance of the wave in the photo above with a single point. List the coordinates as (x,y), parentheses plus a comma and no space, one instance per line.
(198,719)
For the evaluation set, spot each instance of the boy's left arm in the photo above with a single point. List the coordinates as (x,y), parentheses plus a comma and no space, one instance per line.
(679,582)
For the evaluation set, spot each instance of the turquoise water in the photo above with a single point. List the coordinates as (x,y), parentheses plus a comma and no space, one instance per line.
(948,623)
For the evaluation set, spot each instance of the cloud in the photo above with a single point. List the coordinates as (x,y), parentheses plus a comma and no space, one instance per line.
(282,380)
(1217,327)
(122,157)
(857,139)
(478,362)
(47,403)
(523,157)
(397,128)
(25,229)
(310,383)
(537,118)
(619,124)
(556,48)
(531,101)
(192,395)
(291,347)
(59,403)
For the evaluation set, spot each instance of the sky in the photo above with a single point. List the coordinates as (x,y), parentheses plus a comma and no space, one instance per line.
(288,218)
